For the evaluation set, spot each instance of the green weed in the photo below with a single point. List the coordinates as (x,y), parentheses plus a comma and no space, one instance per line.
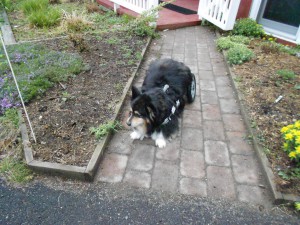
(104,129)
(32,6)
(45,18)
(286,74)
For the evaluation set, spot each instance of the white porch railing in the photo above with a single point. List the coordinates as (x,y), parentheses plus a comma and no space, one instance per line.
(138,6)
(221,13)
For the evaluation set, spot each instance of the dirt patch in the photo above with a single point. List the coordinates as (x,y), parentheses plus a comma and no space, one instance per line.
(62,118)
(261,85)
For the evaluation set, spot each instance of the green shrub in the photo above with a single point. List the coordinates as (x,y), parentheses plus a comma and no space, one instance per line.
(248,27)
(31,6)
(224,43)
(239,54)
(45,18)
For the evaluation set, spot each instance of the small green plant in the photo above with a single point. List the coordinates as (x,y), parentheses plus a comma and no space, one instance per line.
(12,116)
(286,74)
(15,170)
(270,47)
(7,5)
(297,206)
(104,129)
(291,145)
(45,18)
(239,54)
(113,41)
(248,27)
(66,96)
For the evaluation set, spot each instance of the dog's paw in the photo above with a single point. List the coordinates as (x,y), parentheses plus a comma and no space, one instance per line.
(161,143)
(135,135)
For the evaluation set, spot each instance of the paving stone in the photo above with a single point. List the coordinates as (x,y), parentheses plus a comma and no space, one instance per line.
(120,143)
(138,179)
(209,97)
(222,81)
(203,57)
(207,85)
(213,130)
(112,168)
(234,122)
(192,164)
(178,56)
(192,119)
(170,152)
(196,105)
(220,183)
(206,75)
(254,195)
(142,158)
(216,153)
(229,105)
(204,65)
(192,139)
(211,112)
(193,187)
(225,92)
(238,144)
(245,169)
(165,175)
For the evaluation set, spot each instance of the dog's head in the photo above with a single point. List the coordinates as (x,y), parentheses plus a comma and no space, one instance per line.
(142,114)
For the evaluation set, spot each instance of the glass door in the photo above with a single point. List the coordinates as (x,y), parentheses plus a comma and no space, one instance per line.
(281,16)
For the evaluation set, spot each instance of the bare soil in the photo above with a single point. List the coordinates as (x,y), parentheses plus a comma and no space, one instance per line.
(261,86)
(62,118)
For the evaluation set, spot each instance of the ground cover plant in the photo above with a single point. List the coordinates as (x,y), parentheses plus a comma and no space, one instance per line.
(269,82)
(71,82)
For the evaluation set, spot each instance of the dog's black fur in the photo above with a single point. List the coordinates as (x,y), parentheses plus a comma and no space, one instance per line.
(155,101)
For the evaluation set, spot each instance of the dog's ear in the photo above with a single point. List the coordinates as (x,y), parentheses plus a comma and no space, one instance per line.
(135,92)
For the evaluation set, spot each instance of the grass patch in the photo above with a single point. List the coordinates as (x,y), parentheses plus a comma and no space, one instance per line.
(15,171)
(37,69)
(286,74)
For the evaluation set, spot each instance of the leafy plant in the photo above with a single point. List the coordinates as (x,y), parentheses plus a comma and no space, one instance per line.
(286,74)
(291,136)
(297,206)
(104,129)
(248,27)
(12,116)
(270,47)
(239,54)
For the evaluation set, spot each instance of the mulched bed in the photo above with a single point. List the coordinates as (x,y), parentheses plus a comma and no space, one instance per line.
(261,86)
(62,118)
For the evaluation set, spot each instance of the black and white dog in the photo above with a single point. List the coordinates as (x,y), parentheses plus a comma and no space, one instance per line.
(156,107)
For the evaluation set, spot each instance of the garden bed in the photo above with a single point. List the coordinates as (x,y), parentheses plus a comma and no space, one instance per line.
(261,83)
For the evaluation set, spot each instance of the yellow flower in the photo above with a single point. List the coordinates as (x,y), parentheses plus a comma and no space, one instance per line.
(289,137)
(290,126)
(298,140)
(297,124)
(297,206)
(292,155)
(285,145)
(298,150)
(284,129)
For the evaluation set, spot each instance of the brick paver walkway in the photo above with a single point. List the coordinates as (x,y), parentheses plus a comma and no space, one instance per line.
(210,156)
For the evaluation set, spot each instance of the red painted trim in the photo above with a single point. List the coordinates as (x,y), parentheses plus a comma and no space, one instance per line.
(244,9)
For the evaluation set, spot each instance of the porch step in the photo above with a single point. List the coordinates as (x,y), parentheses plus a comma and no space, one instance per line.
(168,19)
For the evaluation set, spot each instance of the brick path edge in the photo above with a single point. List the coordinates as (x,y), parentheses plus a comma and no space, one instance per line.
(279,197)
(82,173)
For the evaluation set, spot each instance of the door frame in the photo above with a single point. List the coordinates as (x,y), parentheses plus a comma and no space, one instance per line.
(254,13)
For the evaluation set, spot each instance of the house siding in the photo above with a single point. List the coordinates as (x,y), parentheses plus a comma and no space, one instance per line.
(244,9)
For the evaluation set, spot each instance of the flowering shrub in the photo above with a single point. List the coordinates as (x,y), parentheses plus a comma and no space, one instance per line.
(291,136)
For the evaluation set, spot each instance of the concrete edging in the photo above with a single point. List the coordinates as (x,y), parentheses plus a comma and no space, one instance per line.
(84,173)
(279,197)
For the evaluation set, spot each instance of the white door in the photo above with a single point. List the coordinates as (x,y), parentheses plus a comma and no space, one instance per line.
(221,13)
